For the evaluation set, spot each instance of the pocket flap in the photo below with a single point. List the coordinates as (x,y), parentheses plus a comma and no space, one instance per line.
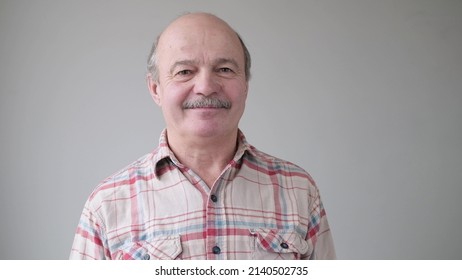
(159,248)
(281,241)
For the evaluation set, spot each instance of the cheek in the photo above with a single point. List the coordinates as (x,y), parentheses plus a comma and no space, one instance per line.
(240,94)
(173,96)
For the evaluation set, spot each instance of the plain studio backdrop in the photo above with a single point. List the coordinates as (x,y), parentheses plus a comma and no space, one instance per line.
(365,95)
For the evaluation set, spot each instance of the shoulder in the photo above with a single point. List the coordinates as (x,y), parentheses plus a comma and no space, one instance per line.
(122,181)
(276,166)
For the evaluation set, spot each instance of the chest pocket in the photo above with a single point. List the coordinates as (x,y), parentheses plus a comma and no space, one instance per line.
(275,244)
(160,248)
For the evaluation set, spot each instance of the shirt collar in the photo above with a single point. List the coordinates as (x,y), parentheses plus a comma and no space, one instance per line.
(163,151)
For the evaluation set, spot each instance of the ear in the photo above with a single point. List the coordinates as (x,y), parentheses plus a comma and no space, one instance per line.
(246,89)
(153,88)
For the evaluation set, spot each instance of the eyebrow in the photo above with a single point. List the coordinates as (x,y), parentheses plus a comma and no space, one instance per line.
(190,62)
(225,61)
(181,63)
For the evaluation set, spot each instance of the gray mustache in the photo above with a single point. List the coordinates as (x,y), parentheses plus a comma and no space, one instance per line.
(207,102)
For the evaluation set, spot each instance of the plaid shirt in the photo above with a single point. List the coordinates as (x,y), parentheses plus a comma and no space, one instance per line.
(260,207)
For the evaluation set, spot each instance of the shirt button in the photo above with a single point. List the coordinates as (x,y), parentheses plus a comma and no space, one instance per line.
(216,250)
(284,245)
(146,257)
(214,198)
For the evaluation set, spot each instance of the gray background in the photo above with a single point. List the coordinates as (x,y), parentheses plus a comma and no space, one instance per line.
(365,95)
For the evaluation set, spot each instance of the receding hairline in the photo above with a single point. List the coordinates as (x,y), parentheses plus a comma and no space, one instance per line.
(182,20)
(196,15)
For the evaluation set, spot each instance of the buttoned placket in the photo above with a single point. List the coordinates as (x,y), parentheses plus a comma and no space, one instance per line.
(215,221)
(215,217)
(217,225)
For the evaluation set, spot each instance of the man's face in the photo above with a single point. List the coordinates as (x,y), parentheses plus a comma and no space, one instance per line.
(202,86)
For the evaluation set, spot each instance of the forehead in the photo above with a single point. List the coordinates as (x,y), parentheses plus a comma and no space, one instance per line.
(199,38)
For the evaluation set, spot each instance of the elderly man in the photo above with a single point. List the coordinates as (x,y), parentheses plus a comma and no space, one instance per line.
(204,193)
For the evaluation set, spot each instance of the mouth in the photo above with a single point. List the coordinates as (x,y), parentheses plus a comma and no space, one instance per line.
(205,107)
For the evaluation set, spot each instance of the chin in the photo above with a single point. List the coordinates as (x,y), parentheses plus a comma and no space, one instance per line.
(209,130)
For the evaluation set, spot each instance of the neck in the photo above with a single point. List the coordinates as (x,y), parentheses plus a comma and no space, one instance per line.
(206,156)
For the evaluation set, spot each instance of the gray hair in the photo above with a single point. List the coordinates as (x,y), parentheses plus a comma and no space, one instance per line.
(153,60)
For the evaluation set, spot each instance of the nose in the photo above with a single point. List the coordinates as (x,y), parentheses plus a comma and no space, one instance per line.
(206,83)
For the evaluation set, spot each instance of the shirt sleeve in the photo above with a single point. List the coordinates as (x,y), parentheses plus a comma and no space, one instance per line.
(89,239)
(319,233)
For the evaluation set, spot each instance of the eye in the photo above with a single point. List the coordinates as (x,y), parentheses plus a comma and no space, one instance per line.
(183,72)
(225,70)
